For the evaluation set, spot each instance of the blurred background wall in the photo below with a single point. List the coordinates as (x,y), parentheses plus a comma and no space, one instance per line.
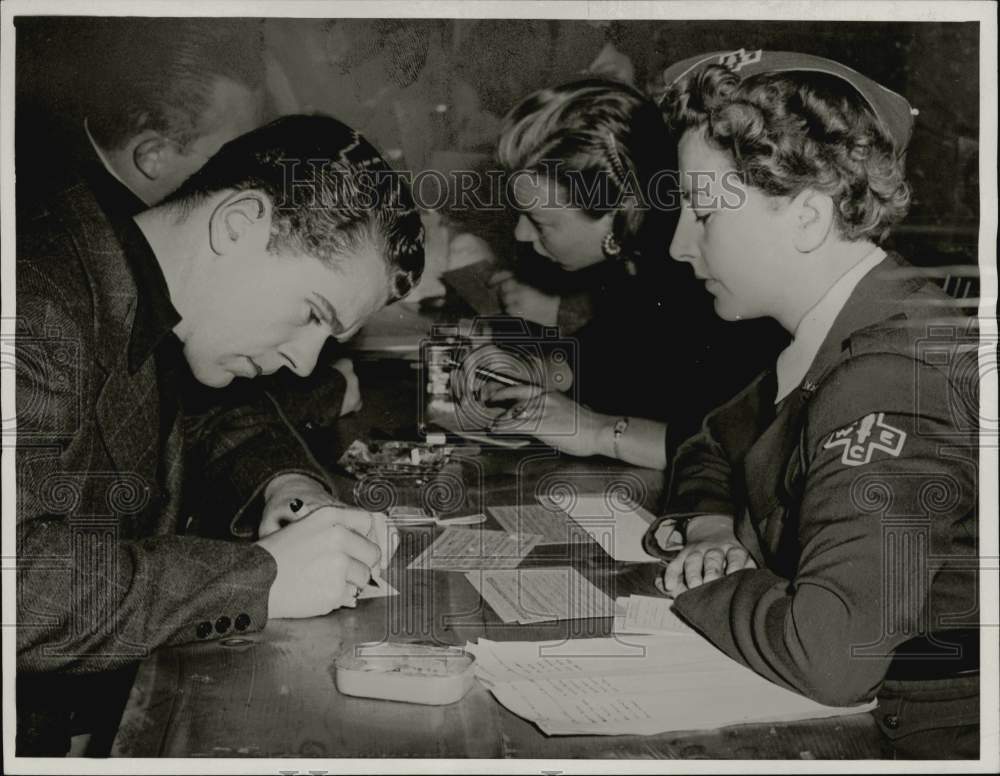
(430,93)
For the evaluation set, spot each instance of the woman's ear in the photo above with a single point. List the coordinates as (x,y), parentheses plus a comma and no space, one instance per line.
(241,223)
(813,219)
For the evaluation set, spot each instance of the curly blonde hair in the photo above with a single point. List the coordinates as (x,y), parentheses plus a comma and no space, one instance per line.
(790,131)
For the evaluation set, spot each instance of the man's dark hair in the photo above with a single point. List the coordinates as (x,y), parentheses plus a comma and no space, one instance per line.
(333,194)
(160,73)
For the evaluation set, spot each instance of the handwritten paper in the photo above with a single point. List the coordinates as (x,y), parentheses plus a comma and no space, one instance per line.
(551,524)
(540,595)
(464,549)
(640,685)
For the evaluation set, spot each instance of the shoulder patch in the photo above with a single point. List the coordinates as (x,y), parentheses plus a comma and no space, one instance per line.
(863,437)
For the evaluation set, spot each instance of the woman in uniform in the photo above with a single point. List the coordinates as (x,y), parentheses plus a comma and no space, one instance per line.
(828,512)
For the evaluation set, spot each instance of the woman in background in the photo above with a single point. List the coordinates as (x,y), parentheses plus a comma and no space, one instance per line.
(592,177)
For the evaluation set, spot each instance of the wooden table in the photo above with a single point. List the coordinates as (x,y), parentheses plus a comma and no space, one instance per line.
(272,694)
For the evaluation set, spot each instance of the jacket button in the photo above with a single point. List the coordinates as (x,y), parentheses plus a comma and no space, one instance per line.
(891,721)
(222,624)
(242,622)
(203,630)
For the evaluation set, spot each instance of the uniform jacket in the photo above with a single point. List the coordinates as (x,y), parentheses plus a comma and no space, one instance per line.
(856,497)
(104,574)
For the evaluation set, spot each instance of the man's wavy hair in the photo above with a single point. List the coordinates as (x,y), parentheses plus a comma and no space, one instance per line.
(790,131)
(332,194)
(598,135)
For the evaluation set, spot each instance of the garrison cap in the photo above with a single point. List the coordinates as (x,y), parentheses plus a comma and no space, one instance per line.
(891,109)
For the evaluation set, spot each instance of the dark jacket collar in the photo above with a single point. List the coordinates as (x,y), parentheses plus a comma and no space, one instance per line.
(878,297)
(132,293)
(155,315)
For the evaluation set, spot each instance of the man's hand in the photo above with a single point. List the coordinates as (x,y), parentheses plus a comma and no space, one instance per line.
(323,560)
(711,551)
(290,497)
(352,392)
(524,301)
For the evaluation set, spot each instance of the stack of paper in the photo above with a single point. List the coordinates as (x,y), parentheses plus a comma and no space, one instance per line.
(540,595)
(634,685)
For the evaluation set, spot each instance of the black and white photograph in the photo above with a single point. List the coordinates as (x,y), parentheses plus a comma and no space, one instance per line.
(496,387)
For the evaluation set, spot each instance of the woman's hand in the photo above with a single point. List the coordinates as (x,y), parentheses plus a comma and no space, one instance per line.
(524,301)
(710,552)
(551,417)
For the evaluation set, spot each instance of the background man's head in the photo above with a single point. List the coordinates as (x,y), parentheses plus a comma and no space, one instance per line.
(298,231)
(166,94)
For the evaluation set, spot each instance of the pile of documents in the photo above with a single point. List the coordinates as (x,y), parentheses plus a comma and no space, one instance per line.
(636,684)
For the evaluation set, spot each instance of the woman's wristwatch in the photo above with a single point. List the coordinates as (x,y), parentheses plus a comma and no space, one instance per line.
(620,427)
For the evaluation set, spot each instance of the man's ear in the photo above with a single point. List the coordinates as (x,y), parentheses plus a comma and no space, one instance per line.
(240,220)
(152,154)
(812,214)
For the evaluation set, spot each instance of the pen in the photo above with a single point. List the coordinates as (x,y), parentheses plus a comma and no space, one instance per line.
(489,374)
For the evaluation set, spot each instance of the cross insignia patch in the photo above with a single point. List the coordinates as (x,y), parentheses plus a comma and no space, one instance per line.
(736,60)
(863,437)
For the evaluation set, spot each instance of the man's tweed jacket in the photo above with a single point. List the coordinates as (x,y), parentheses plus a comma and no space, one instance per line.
(104,572)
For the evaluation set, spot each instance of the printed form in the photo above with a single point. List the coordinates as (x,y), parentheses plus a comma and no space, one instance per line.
(464,549)
(634,685)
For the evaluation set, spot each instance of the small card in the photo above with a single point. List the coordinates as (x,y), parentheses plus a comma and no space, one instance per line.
(465,549)
(540,595)
(650,615)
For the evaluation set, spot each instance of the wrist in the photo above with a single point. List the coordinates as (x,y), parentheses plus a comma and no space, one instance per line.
(605,439)
(705,526)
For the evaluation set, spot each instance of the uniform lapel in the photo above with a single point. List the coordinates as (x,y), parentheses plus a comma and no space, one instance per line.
(775,466)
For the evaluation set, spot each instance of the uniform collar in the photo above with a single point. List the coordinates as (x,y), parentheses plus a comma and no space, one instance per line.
(794,361)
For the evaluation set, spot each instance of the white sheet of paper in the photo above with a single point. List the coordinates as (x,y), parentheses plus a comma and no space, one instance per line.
(377,588)
(648,614)
(464,549)
(639,685)
(552,524)
(541,595)
(618,531)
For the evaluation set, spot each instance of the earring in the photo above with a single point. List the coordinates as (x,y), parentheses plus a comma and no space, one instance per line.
(610,246)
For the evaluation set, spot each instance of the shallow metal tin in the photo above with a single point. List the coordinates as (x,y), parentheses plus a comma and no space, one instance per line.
(411,673)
